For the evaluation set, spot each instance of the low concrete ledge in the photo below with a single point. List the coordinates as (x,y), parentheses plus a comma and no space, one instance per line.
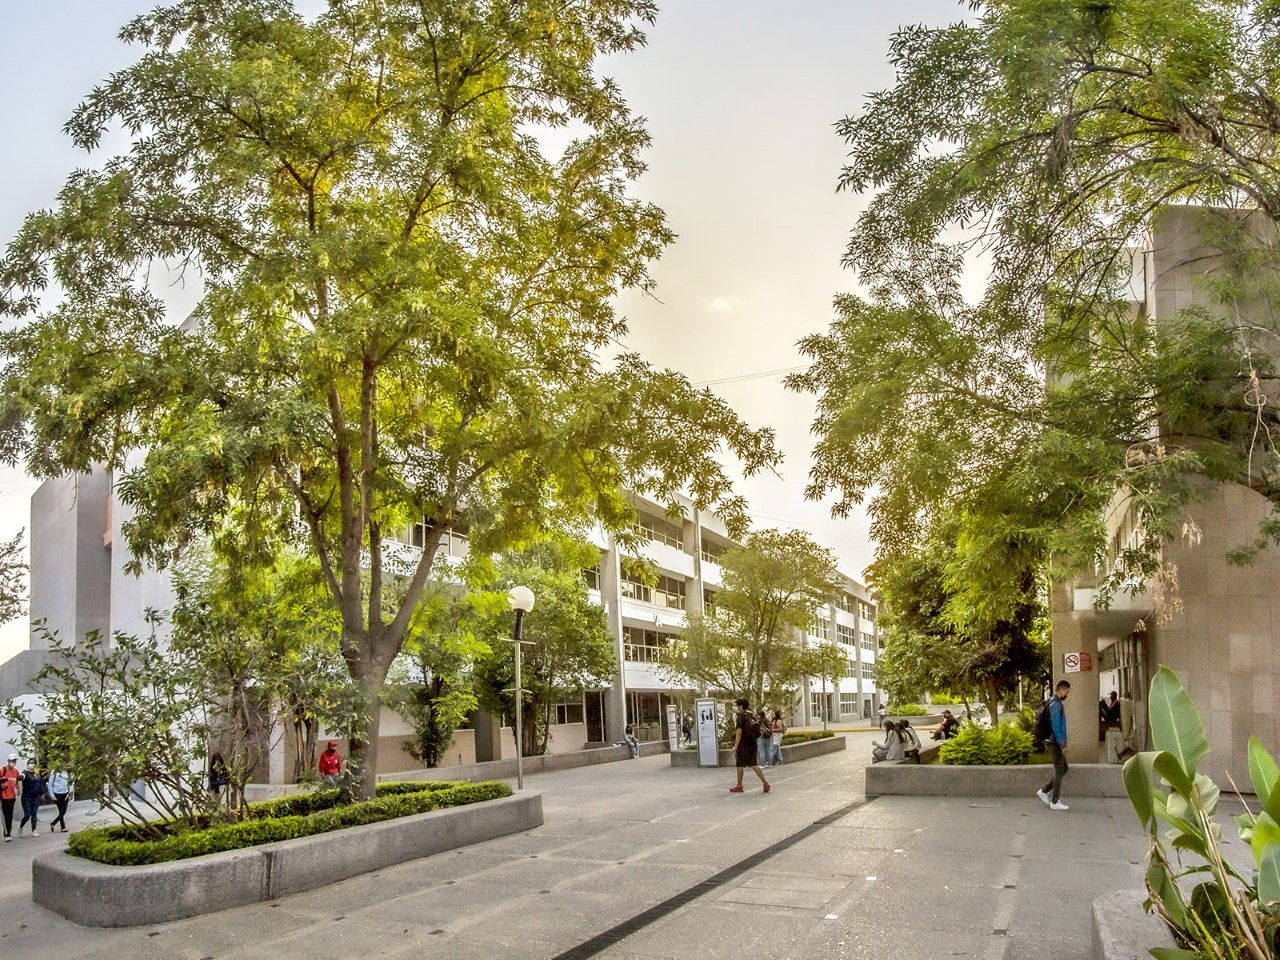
(101,895)
(791,753)
(1122,930)
(901,778)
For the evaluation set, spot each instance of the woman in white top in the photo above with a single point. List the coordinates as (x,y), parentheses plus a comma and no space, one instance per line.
(60,787)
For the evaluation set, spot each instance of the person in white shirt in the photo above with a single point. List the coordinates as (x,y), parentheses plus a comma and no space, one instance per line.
(60,787)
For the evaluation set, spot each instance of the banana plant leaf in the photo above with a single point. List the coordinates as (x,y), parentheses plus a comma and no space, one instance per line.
(1175,723)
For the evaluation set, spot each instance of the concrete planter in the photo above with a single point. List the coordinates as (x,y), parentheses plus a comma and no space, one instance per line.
(900,778)
(1122,930)
(101,895)
(790,754)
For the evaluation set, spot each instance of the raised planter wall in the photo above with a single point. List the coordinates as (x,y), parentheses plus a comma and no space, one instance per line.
(1122,930)
(901,778)
(102,895)
(790,753)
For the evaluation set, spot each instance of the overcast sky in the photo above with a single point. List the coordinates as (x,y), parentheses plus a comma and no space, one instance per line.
(740,96)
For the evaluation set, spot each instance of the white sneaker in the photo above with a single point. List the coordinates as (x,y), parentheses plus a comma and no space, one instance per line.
(34,833)
(1044,797)
(8,839)
(1058,805)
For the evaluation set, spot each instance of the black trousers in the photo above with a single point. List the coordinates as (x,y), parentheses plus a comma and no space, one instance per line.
(1054,786)
(6,806)
(61,800)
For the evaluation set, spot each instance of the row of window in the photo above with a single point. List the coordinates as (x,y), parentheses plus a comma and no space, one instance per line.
(849,702)
(667,592)
(663,531)
(645,646)
(845,634)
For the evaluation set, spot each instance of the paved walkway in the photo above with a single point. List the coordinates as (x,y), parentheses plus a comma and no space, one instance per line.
(891,878)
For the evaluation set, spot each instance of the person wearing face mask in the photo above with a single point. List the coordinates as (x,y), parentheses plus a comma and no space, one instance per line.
(10,778)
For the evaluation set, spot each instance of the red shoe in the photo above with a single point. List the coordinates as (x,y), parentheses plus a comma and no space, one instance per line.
(767,786)
(735,789)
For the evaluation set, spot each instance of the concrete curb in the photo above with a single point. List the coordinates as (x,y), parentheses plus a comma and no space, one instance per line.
(899,778)
(790,754)
(102,895)
(1122,930)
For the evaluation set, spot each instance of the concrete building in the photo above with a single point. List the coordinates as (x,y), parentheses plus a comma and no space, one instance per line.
(1216,625)
(79,583)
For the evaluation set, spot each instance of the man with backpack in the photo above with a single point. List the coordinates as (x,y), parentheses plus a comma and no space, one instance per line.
(1051,729)
(746,749)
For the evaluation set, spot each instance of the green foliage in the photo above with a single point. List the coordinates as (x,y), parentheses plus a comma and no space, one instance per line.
(943,699)
(1005,745)
(806,736)
(568,645)
(1230,912)
(745,646)
(405,306)
(906,710)
(13,572)
(284,819)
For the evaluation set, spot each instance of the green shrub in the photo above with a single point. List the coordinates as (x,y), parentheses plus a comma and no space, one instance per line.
(907,710)
(1006,745)
(943,699)
(804,736)
(286,818)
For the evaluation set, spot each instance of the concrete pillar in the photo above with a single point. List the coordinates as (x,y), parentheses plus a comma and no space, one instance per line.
(1073,634)
(275,748)
(696,593)
(488,731)
(615,700)
(857,652)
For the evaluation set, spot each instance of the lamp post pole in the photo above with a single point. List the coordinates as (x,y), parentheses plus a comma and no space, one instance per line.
(519,703)
(521,600)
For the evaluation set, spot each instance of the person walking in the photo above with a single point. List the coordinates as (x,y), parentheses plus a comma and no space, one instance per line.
(1051,729)
(33,791)
(60,787)
(218,774)
(330,765)
(777,729)
(764,742)
(10,777)
(746,744)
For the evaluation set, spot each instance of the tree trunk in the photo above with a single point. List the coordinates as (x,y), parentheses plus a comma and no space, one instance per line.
(362,748)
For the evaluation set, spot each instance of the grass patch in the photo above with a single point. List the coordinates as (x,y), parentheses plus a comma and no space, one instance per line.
(286,818)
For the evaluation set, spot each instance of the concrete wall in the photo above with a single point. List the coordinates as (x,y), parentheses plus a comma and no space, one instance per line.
(898,778)
(791,753)
(70,562)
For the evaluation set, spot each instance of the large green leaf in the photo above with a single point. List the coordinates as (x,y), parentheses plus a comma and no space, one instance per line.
(1162,887)
(1137,782)
(1168,766)
(1269,879)
(1262,770)
(1175,722)
(1266,833)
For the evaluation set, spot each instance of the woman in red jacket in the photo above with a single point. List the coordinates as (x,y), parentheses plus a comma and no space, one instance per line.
(330,765)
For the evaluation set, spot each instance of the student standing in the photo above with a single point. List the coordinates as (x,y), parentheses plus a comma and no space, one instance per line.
(10,777)
(746,744)
(60,787)
(330,765)
(1051,728)
(33,790)
(777,730)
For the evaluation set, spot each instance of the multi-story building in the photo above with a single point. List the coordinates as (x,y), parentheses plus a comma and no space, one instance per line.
(1216,625)
(79,583)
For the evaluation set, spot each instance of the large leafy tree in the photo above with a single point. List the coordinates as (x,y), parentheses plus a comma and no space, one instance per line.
(568,647)
(1032,147)
(747,644)
(403,300)
(13,575)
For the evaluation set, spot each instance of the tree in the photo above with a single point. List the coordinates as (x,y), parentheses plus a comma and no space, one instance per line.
(933,640)
(746,645)
(403,296)
(431,684)
(13,573)
(568,645)
(1047,135)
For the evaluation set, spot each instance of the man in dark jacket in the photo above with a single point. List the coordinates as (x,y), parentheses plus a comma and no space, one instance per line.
(1057,743)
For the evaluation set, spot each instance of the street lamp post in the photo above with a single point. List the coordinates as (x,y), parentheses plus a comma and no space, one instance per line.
(521,600)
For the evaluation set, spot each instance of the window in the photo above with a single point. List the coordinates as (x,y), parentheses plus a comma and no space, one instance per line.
(568,713)
(711,552)
(868,672)
(708,599)
(645,646)
(866,612)
(845,602)
(592,576)
(453,542)
(815,705)
(663,531)
(669,593)
(867,641)
(634,589)
(821,628)
(848,703)
(850,669)
(846,634)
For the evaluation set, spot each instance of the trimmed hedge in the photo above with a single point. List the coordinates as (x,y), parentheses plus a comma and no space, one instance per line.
(907,710)
(1006,745)
(804,736)
(286,818)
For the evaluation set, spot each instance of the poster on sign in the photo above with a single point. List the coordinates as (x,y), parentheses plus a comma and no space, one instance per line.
(1077,662)
(673,728)
(708,748)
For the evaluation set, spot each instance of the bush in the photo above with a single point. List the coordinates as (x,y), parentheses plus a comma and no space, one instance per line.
(943,699)
(1006,745)
(286,818)
(907,710)
(804,736)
